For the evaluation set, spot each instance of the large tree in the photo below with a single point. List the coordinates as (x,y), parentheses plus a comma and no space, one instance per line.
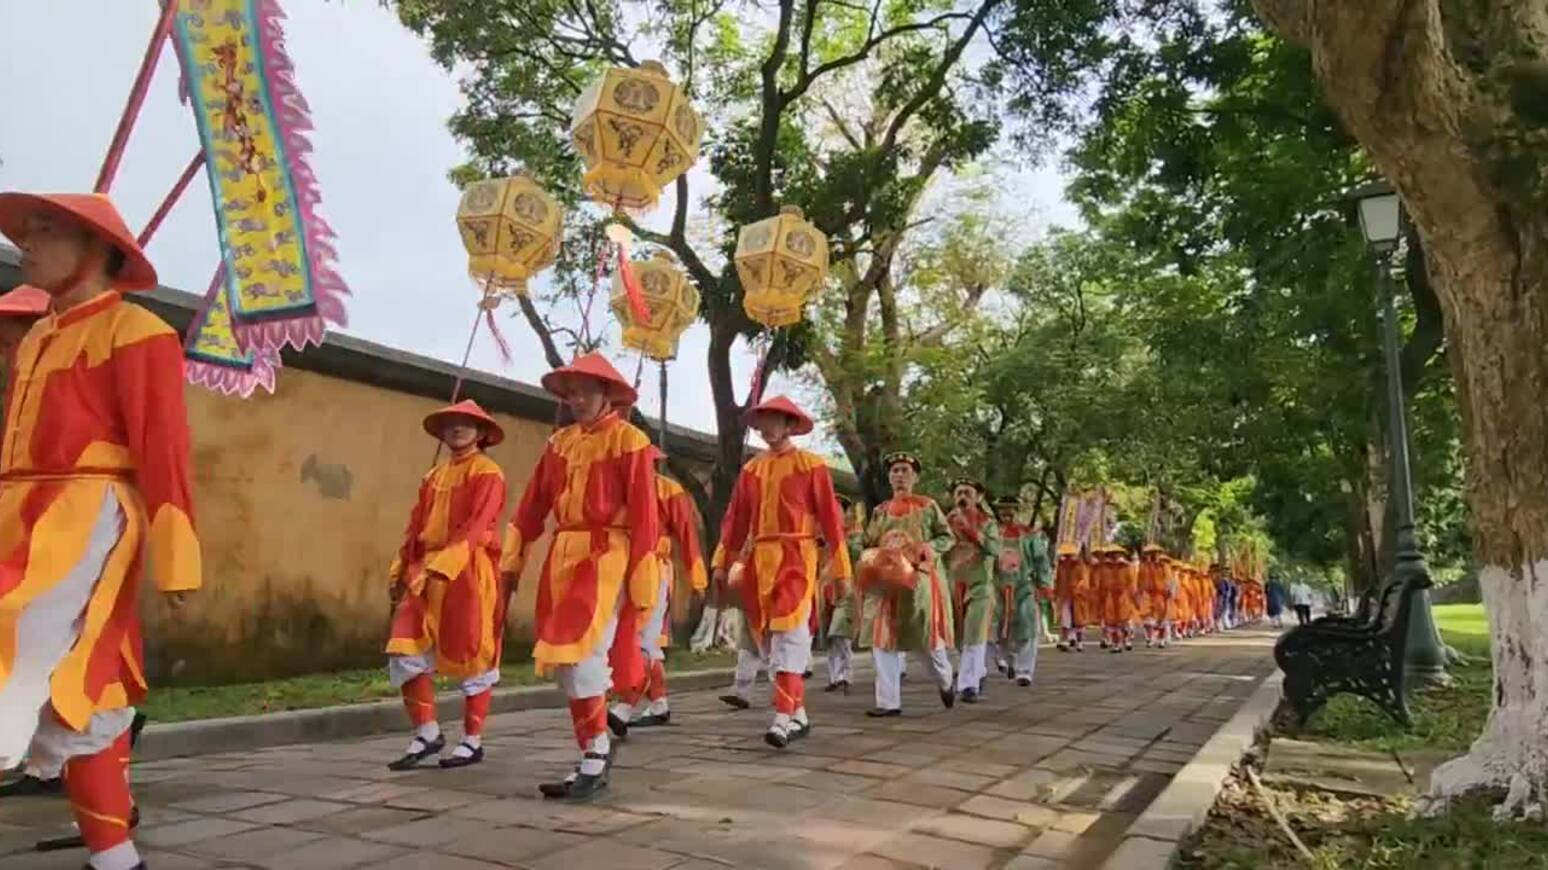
(1450,100)
(769,77)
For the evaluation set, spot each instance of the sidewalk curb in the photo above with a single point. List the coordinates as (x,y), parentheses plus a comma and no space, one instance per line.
(242,733)
(1152,841)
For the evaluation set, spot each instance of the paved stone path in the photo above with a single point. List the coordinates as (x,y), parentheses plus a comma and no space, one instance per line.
(1029,778)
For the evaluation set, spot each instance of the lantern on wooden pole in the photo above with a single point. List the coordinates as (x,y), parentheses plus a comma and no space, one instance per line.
(671,305)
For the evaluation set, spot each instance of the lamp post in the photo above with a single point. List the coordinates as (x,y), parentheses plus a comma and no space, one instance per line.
(1381,220)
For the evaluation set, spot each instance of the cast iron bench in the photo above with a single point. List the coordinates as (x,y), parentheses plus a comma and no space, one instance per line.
(1349,655)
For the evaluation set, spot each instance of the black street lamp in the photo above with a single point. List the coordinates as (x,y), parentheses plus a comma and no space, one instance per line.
(1381,222)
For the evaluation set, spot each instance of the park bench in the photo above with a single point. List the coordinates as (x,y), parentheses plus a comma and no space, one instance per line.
(1372,606)
(1359,655)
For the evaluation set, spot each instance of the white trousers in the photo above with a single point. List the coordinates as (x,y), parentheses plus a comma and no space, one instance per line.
(841,660)
(972,667)
(592,676)
(55,742)
(889,670)
(787,652)
(47,630)
(655,623)
(1024,660)
(748,663)
(401,669)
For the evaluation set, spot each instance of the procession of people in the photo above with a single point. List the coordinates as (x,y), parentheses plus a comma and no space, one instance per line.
(96,467)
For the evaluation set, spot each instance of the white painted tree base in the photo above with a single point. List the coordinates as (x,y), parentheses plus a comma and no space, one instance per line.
(1512,753)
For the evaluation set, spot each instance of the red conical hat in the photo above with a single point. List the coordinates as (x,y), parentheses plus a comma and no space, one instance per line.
(781,405)
(24,301)
(596,367)
(469,409)
(96,212)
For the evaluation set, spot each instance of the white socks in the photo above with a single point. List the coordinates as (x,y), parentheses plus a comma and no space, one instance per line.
(599,745)
(424,735)
(469,743)
(121,857)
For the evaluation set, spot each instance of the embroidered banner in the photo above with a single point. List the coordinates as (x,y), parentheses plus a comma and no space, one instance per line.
(277,284)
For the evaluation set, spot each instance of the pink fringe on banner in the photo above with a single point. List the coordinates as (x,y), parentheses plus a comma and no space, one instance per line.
(292,116)
(233,378)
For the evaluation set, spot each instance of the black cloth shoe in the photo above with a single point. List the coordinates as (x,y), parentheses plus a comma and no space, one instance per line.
(839,686)
(969,696)
(878,712)
(619,727)
(735,701)
(948,698)
(1023,681)
(411,759)
(653,720)
(581,786)
(32,786)
(799,730)
(776,737)
(455,760)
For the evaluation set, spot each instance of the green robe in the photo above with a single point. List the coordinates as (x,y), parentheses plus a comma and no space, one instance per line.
(1015,601)
(921,619)
(971,567)
(841,622)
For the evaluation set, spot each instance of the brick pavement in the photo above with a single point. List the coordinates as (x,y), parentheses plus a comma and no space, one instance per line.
(1027,779)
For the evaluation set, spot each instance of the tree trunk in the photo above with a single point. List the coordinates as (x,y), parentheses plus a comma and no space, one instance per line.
(1447,98)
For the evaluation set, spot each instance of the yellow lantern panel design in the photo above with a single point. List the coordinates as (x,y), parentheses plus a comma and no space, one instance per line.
(511,229)
(670,298)
(783,262)
(637,132)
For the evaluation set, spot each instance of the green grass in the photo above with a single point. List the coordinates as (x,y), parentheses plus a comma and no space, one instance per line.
(340,687)
(1447,718)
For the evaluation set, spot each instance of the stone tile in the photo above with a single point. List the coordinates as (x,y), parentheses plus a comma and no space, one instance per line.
(607,853)
(170,861)
(1075,822)
(290,812)
(840,783)
(1032,862)
(873,862)
(329,852)
(1143,853)
(226,802)
(360,819)
(879,814)
(973,829)
(1051,844)
(991,807)
(1033,784)
(179,834)
(1037,816)
(919,795)
(939,776)
(432,831)
(876,769)
(935,852)
(433,861)
(434,799)
(514,845)
(254,846)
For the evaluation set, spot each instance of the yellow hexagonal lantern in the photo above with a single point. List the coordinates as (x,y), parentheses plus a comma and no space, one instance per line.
(670,298)
(783,262)
(637,132)
(511,228)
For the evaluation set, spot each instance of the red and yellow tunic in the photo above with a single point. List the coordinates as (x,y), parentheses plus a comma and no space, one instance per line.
(598,482)
(94,412)
(782,502)
(453,601)
(679,527)
(1152,586)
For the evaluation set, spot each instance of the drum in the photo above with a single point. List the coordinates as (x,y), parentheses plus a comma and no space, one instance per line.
(887,569)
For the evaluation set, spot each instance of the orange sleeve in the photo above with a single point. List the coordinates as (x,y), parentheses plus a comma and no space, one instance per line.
(683,522)
(148,376)
(830,518)
(737,523)
(643,518)
(410,553)
(532,511)
(486,493)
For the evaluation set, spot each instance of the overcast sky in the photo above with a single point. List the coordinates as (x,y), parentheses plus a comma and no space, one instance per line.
(381,152)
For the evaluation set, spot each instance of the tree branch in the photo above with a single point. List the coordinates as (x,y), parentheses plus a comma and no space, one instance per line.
(540,328)
(808,77)
(772,106)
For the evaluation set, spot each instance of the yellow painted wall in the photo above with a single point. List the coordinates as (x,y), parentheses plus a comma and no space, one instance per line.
(301,500)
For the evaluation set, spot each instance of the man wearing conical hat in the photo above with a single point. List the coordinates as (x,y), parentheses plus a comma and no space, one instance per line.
(970,565)
(1016,618)
(93,470)
(783,501)
(449,600)
(844,606)
(21,307)
(644,698)
(917,618)
(596,479)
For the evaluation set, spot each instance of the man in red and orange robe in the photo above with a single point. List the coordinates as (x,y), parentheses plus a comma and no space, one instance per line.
(449,614)
(602,575)
(93,470)
(783,501)
(644,703)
